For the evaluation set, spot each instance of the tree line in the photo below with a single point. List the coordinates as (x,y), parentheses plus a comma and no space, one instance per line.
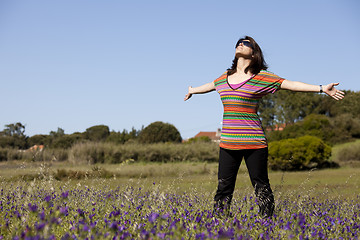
(311,114)
(13,136)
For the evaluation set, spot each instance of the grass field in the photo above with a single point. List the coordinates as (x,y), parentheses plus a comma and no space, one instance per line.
(170,201)
(344,181)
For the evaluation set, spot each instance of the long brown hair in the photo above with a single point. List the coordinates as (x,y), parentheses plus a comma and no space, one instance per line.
(257,62)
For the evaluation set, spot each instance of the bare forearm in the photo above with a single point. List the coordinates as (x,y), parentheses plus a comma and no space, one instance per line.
(299,86)
(329,89)
(208,87)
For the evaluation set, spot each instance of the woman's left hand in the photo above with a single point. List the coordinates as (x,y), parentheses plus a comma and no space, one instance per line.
(333,92)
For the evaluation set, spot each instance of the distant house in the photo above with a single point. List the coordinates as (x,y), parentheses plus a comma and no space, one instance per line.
(36,148)
(214,136)
(277,127)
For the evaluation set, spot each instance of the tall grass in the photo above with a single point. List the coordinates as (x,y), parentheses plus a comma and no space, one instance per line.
(50,154)
(347,154)
(113,153)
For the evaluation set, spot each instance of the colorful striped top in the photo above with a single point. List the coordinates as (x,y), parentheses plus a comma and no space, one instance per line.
(241,124)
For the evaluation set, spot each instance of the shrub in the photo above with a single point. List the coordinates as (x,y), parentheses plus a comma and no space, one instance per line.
(199,139)
(159,132)
(39,139)
(160,152)
(299,154)
(97,133)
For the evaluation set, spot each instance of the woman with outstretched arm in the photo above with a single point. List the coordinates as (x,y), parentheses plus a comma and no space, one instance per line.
(242,136)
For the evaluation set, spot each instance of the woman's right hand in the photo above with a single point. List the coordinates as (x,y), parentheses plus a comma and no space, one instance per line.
(188,95)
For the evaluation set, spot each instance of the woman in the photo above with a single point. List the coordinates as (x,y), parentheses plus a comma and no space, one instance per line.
(240,88)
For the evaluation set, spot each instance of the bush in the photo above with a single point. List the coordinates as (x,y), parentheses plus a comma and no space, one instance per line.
(199,139)
(161,152)
(299,154)
(97,133)
(158,132)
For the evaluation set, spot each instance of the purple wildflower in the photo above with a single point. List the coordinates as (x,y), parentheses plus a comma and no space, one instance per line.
(40,226)
(152,217)
(33,207)
(64,211)
(65,194)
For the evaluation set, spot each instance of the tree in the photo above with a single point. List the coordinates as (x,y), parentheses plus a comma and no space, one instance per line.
(122,137)
(313,125)
(13,136)
(290,107)
(97,133)
(66,141)
(159,132)
(60,132)
(16,129)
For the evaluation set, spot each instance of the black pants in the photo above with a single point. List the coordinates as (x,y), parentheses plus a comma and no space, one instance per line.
(256,163)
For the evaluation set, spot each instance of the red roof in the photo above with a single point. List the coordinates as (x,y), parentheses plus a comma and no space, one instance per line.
(277,127)
(211,135)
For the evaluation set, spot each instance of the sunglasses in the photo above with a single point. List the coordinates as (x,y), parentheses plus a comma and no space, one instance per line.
(245,43)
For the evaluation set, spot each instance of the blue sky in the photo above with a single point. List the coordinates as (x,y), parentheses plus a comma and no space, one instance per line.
(76,64)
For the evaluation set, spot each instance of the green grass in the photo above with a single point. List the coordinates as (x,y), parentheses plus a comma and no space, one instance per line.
(184,176)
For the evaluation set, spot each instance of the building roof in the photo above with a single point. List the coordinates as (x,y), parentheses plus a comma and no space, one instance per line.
(211,135)
(277,127)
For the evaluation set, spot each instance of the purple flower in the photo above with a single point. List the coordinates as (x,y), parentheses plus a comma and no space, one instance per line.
(33,208)
(47,198)
(64,211)
(81,212)
(161,235)
(86,228)
(152,217)
(40,226)
(56,220)
(65,194)
(144,234)
(66,236)
(42,216)
(114,225)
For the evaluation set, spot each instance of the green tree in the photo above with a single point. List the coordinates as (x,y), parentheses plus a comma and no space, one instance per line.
(13,136)
(66,141)
(159,132)
(313,125)
(60,132)
(290,107)
(97,133)
(124,136)
(14,129)
(287,107)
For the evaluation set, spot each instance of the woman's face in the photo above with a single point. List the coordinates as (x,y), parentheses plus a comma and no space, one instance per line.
(244,49)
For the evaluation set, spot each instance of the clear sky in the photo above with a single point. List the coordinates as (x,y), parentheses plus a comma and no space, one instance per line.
(74,64)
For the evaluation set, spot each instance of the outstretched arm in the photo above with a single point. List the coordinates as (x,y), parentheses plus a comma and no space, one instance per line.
(198,90)
(329,89)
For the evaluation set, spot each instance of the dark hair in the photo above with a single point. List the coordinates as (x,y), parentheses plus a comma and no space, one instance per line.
(257,62)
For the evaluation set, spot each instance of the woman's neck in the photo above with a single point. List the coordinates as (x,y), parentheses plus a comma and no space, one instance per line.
(242,64)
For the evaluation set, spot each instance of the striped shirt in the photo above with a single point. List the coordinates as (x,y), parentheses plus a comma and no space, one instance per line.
(241,124)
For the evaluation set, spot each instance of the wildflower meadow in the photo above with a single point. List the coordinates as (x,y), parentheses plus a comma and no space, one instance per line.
(178,207)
